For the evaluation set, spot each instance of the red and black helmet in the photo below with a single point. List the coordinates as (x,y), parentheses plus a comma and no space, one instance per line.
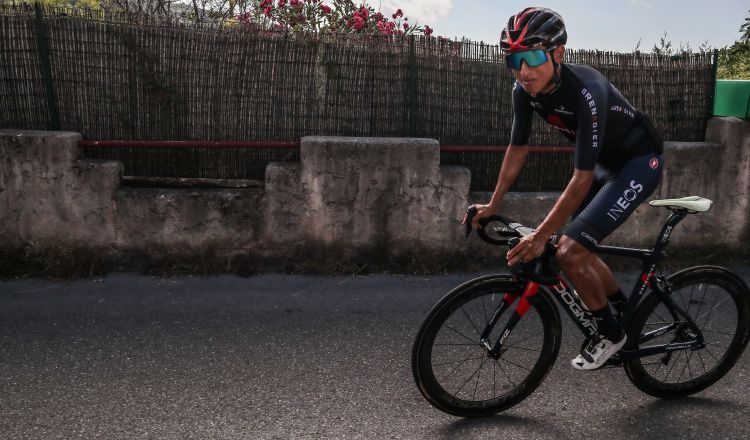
(532,27)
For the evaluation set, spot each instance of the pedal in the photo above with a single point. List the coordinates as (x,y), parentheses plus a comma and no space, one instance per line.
(613,362)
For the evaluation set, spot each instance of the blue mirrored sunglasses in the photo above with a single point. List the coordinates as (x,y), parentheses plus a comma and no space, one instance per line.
(533,58)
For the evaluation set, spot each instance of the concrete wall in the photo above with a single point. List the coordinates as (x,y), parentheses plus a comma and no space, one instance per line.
(366,191)
(49,198)
(349,193)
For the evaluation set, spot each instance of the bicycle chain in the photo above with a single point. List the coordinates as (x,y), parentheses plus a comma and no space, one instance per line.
(605,366)
(666,322)
(647,363)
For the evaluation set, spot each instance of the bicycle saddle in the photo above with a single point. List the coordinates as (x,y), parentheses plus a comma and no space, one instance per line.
(692,203)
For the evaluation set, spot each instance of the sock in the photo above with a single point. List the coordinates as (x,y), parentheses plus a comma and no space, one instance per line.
(608,326)
(619,301)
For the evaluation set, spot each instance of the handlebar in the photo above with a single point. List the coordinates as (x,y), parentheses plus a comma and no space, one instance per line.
(506,228)
(502,231)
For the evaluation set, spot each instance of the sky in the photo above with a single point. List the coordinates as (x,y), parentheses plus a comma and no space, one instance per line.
(612,25)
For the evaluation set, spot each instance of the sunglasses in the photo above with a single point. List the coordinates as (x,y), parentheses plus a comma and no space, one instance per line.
(533,58)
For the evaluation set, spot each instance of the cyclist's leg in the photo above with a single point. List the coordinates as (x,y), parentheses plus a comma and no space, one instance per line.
(591,277)
(618,197)
(581,266)
(586,271)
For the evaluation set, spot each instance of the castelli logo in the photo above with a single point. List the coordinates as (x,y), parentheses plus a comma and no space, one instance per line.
(654,163)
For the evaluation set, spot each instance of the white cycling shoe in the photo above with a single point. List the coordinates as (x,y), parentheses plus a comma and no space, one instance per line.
(596,353)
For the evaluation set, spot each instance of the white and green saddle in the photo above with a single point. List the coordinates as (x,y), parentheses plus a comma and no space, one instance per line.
(692,203)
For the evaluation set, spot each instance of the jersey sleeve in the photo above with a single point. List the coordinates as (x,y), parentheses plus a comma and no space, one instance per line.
(521,130)
(592,121)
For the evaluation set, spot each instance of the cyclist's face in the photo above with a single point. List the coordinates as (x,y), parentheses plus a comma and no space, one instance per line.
(537,79)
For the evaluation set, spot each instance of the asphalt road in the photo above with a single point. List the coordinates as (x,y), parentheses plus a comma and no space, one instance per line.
(288,357)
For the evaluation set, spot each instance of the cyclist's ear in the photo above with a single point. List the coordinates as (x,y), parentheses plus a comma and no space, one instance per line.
(559,53)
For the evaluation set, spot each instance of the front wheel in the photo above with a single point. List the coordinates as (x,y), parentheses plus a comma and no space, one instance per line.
(455,372)
(718,302)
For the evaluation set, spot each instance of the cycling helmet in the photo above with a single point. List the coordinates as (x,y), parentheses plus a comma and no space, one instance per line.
(532,27)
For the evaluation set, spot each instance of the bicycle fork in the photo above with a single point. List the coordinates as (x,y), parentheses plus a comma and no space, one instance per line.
(494,351)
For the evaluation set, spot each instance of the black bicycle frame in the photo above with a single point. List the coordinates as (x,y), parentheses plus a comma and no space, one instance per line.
(584,319)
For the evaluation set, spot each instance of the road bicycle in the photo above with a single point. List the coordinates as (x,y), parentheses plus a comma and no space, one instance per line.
(476,354)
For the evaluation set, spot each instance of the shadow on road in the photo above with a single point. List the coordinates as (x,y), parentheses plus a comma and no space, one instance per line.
(691,417)
(692,403)
(461,427)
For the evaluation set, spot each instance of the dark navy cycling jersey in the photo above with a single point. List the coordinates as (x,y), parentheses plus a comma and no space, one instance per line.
(590,111)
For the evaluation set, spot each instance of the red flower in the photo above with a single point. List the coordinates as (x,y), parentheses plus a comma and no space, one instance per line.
(268,11)
(399,13)
(406,26)
(428,30)
(282,3)
(358,22)
(326,9)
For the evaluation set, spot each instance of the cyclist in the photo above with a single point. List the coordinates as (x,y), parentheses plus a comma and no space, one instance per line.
(617,161)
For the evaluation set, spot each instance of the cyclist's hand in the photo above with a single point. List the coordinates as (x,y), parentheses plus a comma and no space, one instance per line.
(528,248)
(483,211)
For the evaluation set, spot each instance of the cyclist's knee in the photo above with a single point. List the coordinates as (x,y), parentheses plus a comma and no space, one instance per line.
(571,254)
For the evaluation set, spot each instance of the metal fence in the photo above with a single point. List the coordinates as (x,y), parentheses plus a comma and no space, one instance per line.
(112,76)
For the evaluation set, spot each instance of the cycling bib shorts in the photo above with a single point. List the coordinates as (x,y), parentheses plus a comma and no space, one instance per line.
(614,195)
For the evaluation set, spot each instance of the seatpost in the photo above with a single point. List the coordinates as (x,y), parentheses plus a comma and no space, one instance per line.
(675,217)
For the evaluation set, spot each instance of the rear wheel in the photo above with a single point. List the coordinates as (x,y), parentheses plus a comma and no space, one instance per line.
(718,302)
(453,369)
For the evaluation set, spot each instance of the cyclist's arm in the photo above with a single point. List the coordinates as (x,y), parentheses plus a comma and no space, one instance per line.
(513,161)
(516,154)
(514,157)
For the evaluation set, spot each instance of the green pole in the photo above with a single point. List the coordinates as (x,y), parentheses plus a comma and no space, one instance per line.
(714,74)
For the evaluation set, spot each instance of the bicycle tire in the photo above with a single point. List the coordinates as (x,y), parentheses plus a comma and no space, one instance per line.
(424,368)
(734,305)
